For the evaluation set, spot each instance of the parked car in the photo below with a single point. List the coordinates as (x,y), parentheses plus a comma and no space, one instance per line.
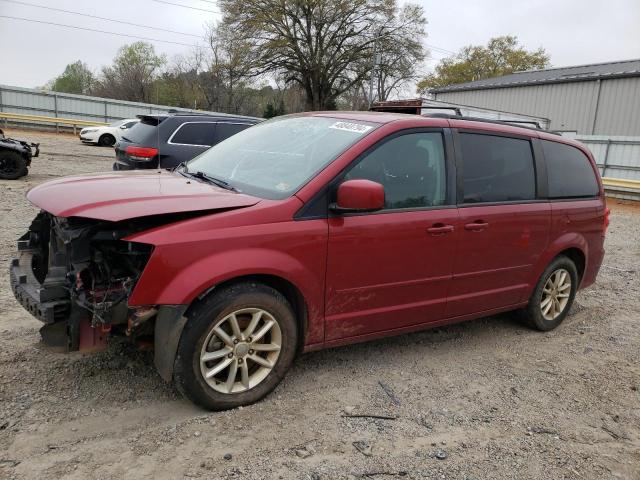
(311,231)
(15,157)
(165,141)
(108,135)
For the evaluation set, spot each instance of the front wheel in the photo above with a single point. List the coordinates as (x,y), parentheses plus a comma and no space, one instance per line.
(106,140)
(236,346)
(553,295)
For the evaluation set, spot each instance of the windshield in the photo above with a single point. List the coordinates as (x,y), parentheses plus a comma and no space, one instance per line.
(275,158)
(116,123)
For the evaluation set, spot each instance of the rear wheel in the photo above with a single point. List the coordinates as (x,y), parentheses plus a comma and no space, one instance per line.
(107,140)
(236,347)
(12,165)
(553,295)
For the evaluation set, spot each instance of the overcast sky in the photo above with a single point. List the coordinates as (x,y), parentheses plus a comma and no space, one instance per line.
(573,32)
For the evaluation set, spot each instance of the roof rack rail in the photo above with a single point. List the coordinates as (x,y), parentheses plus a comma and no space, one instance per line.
(516,123)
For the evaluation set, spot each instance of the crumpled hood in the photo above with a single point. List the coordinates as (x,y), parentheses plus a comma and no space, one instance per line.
(116,196)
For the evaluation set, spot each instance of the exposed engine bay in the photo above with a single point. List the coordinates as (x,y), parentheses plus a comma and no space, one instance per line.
(76,275)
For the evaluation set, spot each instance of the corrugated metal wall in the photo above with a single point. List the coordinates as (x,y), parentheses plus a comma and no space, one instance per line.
(65,105)
(571,106)
(619,107)
(616,156)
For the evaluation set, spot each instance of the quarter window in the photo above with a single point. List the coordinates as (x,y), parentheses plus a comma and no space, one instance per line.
(411,168)
(195,134)
(497,169)
(226,130)
(569,171)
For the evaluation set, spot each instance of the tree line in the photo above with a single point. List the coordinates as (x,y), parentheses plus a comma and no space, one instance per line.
(269,57)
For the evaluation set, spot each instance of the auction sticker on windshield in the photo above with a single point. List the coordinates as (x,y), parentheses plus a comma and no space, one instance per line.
(351,127)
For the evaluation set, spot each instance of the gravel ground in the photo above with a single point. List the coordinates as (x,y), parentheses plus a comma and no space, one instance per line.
(479,400)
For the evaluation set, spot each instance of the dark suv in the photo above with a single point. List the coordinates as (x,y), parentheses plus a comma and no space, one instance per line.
(165,141)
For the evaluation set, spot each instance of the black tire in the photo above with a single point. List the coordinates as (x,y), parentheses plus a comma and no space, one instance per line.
(107,140)
(12,165)
(532,315)
(202,318)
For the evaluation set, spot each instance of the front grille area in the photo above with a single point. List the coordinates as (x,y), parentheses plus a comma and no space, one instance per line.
(38,273)
(33,296)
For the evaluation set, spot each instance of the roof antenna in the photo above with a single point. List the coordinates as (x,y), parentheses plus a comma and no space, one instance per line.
(158,129)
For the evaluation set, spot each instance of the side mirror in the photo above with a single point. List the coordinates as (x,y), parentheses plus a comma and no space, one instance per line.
(123,127)
(359,196)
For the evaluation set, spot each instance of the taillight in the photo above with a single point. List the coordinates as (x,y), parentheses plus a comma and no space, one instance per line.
(605,223)
(141,153)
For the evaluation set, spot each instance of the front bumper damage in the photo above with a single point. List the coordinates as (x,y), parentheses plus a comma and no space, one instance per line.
(76,275)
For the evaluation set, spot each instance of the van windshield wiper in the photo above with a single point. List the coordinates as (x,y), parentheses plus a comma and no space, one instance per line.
(208,178)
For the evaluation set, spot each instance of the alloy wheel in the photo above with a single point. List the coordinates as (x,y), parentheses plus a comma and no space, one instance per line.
(240,350)
(555,294)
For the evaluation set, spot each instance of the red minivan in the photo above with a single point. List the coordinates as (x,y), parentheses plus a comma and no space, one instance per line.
(309,231)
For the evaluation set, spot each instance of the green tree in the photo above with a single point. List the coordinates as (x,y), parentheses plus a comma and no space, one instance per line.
(76,78)
(324,46)
(132,74)
(270,111)
(501,56)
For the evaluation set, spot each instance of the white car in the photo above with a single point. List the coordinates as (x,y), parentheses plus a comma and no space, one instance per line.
(108,135)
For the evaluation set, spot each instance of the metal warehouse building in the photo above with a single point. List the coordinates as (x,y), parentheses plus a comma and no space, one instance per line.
(597,99)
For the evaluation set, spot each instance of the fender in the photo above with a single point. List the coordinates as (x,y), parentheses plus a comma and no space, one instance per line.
(563,242)
(199,277)
(184,284)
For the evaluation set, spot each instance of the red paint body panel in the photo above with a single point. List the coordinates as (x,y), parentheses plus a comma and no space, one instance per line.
(493,266)
(118,196)
(360,195)
(194,255)
(386,271)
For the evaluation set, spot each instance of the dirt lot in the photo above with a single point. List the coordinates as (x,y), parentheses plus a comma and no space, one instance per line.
(484,399)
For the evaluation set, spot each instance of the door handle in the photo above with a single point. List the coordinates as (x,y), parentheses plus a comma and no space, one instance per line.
(476,226)
(439,229)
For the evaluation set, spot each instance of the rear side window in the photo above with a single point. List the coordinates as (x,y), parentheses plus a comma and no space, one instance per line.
(569,171)
(497,169)
(226,130)
(194,133)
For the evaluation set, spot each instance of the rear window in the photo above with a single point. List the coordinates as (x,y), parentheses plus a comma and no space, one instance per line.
(497,169)
(194,133)
(226,130)
(142,131)
(569,171)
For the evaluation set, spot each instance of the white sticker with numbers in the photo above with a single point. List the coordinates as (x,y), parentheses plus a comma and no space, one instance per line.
(351,127)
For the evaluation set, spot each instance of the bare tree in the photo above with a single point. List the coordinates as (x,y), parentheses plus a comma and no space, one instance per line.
(179,85)
(228,75)
(319,44)
(401,51)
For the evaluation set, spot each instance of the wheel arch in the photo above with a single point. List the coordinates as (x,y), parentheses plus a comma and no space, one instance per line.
(572,245)
(168,329)
(577,256)
(283,286)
